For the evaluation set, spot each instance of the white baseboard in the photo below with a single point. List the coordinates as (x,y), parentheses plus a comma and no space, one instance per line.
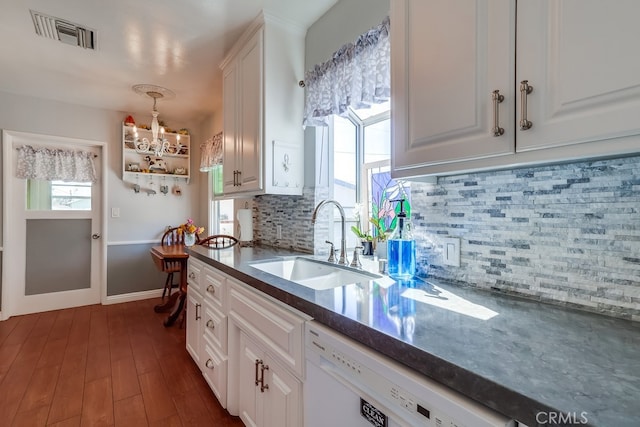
(134,296)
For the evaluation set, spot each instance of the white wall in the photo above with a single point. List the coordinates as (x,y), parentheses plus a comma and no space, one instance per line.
(142,217)
(342,24)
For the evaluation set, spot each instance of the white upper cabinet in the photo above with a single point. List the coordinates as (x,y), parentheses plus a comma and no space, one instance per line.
(242,99)
(580,57)
(449,56)
(447,59)
(263,105)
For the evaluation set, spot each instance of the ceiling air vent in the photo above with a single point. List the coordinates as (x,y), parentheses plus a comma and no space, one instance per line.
(64,31)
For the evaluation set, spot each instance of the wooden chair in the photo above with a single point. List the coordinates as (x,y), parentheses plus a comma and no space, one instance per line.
(169,238)
(172,237)
(218,241)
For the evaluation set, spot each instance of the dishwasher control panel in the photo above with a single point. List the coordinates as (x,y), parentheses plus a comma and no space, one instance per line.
(394,386)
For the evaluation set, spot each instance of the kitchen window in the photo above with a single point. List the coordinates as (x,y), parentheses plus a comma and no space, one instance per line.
(221,221)
(360,147)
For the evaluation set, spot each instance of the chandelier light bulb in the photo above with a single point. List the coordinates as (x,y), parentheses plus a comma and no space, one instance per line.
(158,141)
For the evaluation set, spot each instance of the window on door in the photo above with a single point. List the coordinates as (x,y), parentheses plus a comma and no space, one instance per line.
(58,195)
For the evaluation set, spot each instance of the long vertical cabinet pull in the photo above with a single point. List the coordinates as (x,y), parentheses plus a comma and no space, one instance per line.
(258,362)
(198,316)
(525,90)
(263,367)
(497,99)
(263,386)
(239,178)
(236,178)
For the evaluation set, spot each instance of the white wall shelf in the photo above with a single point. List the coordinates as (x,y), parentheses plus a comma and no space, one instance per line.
(140,161)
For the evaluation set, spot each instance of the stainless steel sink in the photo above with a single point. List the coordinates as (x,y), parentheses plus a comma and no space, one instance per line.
(314,274)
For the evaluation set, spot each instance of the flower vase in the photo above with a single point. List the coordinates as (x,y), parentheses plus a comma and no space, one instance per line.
(189,239)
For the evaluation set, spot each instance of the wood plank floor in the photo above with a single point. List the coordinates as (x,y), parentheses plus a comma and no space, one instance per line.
(114,365)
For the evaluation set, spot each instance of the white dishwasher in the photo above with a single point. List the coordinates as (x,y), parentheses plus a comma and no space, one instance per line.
(349,385)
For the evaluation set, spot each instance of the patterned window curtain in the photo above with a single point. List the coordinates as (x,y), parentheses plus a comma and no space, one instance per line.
(211,153)
(55,164)
(357,76)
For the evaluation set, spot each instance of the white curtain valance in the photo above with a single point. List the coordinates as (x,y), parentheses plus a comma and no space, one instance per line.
(55,164)
(211,153)
(357,76)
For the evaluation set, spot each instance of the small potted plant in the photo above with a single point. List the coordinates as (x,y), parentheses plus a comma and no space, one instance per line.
(366,240)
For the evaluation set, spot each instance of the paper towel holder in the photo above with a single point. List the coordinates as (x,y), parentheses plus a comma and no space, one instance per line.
(243,242)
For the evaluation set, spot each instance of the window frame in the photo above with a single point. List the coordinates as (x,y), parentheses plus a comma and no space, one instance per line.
(360,125)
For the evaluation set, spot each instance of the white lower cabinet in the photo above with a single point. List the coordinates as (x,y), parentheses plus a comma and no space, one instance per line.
(194,324)
(269,394)
(206,330)
(249,347)
(266,357)
(214,370)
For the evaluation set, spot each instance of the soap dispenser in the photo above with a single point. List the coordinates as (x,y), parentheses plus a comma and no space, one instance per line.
(401,248)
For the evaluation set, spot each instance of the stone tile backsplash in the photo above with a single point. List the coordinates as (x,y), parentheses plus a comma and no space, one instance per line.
(293,213)
(567,234)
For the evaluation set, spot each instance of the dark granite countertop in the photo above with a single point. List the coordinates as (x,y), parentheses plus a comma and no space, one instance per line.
(517,356)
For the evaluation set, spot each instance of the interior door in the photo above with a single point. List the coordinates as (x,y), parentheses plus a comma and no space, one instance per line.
(53,250)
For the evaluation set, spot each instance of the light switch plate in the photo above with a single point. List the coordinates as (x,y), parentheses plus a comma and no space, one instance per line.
(451,251)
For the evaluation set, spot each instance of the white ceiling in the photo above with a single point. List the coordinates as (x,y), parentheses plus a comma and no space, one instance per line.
(177,44)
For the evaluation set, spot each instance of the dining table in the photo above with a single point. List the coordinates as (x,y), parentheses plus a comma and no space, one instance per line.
(172,258)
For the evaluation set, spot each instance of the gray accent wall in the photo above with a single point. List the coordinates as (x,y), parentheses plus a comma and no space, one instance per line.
(130,268)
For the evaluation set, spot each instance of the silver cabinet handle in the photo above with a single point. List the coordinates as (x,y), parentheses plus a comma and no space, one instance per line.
(198,316)
(211,289)
(235,178)
(497,99)
(95,236)
(263,386)
(258,362)
(211,324)
(239,178)
(192,275)
(209,364)
(525,90)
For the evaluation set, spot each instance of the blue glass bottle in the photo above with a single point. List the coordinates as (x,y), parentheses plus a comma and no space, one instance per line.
(401,248)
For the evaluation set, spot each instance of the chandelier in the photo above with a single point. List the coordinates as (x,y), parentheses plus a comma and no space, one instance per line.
(158,144)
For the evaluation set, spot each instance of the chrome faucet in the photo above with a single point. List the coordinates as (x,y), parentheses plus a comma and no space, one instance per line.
(343,241)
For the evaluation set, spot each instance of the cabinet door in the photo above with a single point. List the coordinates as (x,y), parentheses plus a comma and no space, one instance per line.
(580,57)
(448,56)
(230,137)
(194,331)
(250,113)
(282,404)
(214,370)
(248,405)
(278,404)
